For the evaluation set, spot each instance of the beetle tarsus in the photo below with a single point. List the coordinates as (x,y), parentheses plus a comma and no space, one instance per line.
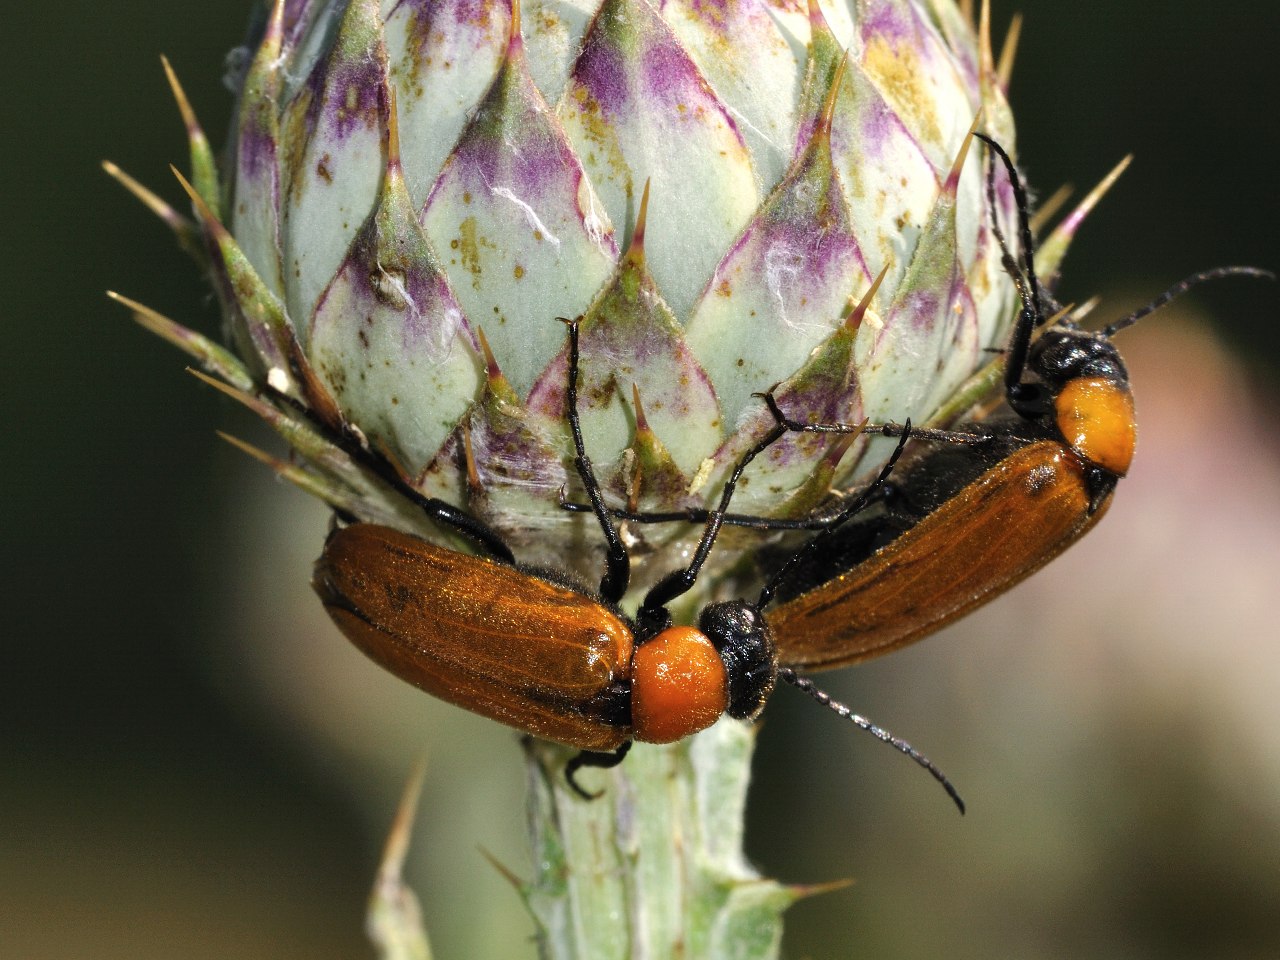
(592,758)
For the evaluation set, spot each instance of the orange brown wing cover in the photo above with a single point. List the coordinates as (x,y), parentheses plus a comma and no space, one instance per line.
(995,532)
(480,634)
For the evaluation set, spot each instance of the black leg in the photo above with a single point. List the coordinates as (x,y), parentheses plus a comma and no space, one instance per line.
(857,505)
(679,582)
(613,585)
(591,758)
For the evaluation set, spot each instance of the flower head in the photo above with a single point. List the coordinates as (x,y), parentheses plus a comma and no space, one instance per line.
(733,195)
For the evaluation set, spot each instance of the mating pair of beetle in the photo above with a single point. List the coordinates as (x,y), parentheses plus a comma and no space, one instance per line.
(974,515)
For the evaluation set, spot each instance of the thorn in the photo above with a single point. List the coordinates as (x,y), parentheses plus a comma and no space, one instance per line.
(474,485)
(306,480)
(515,42)
(1085,309)
(492,371)
(275,25)
(855,316)
(1046,211)
(635,250)
(986,62)
(803,891)
(816,19)
(207,216)
(642,425)
(1059,316)
(1009,51)
(246,399)
(389,455)
(393,132)
(179,224)
(822,130)
(1071,223)
(835,453)
(862,425)
(209,354)
(505,872)
(214,382)
(140,308)
(323,405)
(953,178)
(184,105)
(966,10)
(279,466)
(152,320)
(396,849)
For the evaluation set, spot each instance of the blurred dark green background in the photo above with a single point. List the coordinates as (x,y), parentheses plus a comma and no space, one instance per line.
(156,802)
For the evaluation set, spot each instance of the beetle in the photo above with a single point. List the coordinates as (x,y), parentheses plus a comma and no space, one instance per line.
(532,648)
(987,506)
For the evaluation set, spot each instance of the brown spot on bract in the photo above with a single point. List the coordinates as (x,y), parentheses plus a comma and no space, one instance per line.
(468,235)
(518,272)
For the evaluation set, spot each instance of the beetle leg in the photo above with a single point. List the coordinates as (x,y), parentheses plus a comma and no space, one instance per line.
(855,506)
(679,582)
(592,758)
(617,564)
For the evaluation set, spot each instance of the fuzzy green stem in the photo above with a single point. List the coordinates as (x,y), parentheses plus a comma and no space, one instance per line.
(653,868)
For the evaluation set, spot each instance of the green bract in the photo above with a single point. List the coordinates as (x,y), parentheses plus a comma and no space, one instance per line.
(733,195)
(416,190)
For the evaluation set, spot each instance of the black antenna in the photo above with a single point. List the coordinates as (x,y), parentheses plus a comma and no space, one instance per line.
(806,685)
(860,503)
(1027,242)
(1178,289)
(1022,270)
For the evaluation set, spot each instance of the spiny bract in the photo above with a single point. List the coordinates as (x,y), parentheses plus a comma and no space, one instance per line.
(416,190)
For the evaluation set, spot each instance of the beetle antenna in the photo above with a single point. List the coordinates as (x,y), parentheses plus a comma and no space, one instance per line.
(859,503)
(1181,287)
(1023,275)
(805,685)
(1007,259)
(679,582)
(1027,242)
(613,585)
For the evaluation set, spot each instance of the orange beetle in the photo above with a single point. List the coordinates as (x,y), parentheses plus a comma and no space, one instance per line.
(989,506)
(533,649)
